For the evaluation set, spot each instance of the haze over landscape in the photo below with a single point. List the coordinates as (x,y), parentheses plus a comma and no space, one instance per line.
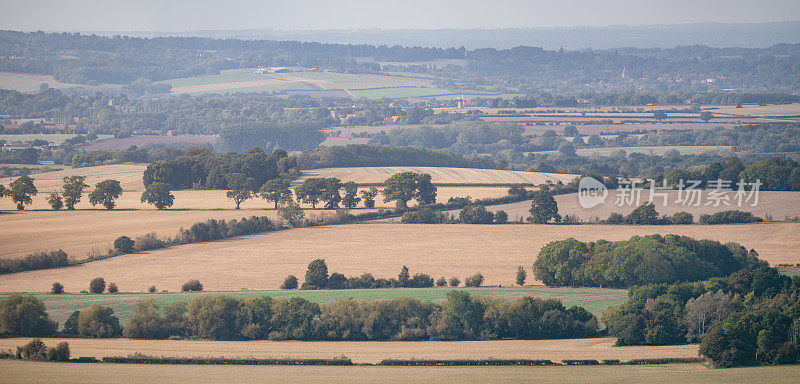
(438,191)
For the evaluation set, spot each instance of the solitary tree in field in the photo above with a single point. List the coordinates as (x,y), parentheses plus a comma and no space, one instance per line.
(316,275)
(706,116)
(311,190)
(369,197)
(543,208)
(158,194)
(660,115)
(73,189)
(350,199)
(276,190)
(241,188)
(106,193)
(21,191)
(405,186)
(97,285)
(521,275)
(55,201)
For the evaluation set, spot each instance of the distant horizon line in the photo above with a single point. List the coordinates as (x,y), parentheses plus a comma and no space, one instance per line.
(395,29)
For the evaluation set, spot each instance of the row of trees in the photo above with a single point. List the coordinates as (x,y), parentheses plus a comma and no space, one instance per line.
(219,317)
(639,260)
(105,192)
(750,317)
(317,277)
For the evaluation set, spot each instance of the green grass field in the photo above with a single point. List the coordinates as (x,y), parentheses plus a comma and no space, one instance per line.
(656,150)
(396,93)
(334,141)
(594,300)
(57,138)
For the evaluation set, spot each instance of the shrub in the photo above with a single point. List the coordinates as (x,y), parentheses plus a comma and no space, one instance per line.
(57,289)
(37,260)
(124,244)
(474,281)
(148,242)
(500,217)
(192,286)
(290,282)
(521,275)
(25,316)
(97,285)
(454,282)
(682,218)
(34,350)
(423,215)
(441,282)
(475,214)
(112,288)
(59,353)
(730,217)
(98,321)
(152,289)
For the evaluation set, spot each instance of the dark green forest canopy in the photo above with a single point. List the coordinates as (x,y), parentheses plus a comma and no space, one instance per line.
(639,260)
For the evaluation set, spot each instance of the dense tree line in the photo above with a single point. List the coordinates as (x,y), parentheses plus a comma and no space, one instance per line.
(751,317)
(202,168)
(356,155)
(640,260)
(140,61)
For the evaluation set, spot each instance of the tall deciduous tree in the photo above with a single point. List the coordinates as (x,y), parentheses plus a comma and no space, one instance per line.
(543,208)
(369,197)
(158,194)
(311,190)
(55,201)
(276,190)
(350,199)
(405,186)
(73,190)
(330,193)
(316,275)
(106,193)
(21,191)
(240,187)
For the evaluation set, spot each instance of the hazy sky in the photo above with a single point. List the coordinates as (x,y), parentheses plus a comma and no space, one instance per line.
(184,15)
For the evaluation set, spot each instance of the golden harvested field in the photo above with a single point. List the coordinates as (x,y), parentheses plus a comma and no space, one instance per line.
(438,175)
(129,176)
(263,261)
(792,109)
(13,371)
(779,204)
(370,351)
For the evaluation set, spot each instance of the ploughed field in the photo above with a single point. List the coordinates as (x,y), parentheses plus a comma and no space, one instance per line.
(370,351)
(778,204)
(439,175)
(24,372)
(262,261)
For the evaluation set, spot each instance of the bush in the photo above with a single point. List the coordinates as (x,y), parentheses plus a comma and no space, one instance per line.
(152,289)
(57,289)
(37,260)
(423,215)
(98,321)
(730,217)
(441,282)
(60,352)
(25,316)
(290,282)
(97,285)
(475,214)
(474,281)
(682,218)
(500,217)
(112,288)
(35,350)
(124,244)
(148,242)
(192,286)
(454,282)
